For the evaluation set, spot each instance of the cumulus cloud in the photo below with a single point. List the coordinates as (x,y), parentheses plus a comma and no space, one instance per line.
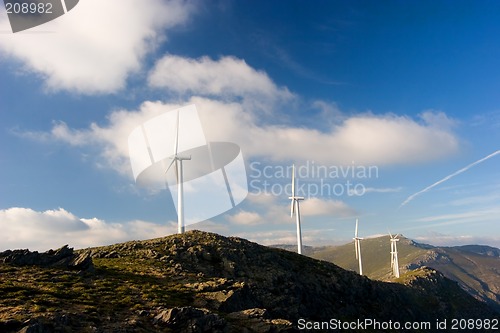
(326,207)
(226,77)
(94,47)
(111,139)
(245,218)
(43,230)
(438,119)
(275,237)
(363,139)
(277,212)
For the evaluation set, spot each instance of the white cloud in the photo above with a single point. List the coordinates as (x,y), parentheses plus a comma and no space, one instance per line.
(111,140)
(474,220)
(366,139)
(463,217)
(440,239)
(262,199)
(226,77)
(275,212)
(94,47)
(314,237)
(477,200)
(326,207)
(272,237)
(43,230)
(388,139)
(365,190)
(210,226)
(330,111)
(438,119)
(246,218)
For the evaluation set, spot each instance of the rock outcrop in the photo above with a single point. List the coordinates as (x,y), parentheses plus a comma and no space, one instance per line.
(63,257)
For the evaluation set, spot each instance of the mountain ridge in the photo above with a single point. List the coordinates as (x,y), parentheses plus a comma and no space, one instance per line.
(204,282)
(475,267)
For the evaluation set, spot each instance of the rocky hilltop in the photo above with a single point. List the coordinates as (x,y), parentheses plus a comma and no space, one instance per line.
(203,282)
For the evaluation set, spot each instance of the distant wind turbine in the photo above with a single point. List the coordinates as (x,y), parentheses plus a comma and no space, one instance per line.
(177,160)
(394,255)
(357,248)
(294,208)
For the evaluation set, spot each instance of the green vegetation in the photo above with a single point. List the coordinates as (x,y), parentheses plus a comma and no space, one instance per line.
(116,286)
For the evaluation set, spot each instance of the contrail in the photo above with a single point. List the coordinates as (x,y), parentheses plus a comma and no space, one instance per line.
(411,197)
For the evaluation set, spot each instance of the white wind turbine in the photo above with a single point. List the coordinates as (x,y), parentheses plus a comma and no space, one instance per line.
(394,255)
(295,209)
(357,248)
(177,159)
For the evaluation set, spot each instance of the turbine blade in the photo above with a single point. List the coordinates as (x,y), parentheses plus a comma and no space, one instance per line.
(173,160)
(292,208)
(293,180)
(176,144)
(356,247)
(356,231)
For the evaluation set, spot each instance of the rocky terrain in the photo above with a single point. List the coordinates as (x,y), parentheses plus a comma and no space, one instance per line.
(203,282)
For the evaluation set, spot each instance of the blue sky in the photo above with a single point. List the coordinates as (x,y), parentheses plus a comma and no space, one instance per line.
(409,89)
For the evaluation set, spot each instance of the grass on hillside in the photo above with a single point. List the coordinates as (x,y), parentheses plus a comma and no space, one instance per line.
(117,286)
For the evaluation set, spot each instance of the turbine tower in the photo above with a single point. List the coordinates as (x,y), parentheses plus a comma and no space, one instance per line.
(177,160)
(394,255)
(357,248)
(294,208)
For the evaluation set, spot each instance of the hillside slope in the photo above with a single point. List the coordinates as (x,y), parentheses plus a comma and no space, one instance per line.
(203,282)
(476,268)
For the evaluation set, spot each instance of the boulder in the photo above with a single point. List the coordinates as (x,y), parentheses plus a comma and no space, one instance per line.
(63,257)
(190,320)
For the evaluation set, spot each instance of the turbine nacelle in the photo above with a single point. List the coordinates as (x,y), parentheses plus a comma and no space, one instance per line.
(292,206)
(181,157)
(177,158)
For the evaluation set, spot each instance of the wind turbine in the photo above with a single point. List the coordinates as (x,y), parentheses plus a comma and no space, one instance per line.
(177,160)
(357,248)
(294,208)
(394,255)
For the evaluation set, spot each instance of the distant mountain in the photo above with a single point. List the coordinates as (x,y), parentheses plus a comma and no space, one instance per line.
(203,282)
(307,250)
(481,249)
(475,267)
